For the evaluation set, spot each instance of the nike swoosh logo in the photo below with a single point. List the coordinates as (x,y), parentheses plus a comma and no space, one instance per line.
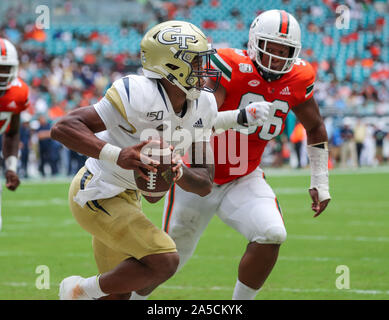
(126,130)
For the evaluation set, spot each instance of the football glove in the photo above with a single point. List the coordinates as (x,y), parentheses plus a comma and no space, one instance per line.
(255,114)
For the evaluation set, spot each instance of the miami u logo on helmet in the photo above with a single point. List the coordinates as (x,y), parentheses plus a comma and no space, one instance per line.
(180,39)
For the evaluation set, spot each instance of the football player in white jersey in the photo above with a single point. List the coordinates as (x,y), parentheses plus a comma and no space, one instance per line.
(170,101)
(130,251)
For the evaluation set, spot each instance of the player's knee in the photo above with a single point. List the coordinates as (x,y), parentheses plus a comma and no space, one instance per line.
(276,234)
(168,265)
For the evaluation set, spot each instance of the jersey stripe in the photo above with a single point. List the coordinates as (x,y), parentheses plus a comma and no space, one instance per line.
(114,98)
(309,90)
(127,86)
(218,63)
(3,48)
(162,95)
(284,22)
(279,209)
(169,208)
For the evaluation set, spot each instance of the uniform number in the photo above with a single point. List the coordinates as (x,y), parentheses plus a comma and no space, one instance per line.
(273,125)
(5,118)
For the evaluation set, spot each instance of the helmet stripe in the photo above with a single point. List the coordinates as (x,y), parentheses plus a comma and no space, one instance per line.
(3,48)
(284,22)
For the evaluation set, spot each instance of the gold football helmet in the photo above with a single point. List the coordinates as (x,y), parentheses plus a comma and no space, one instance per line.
(179,52)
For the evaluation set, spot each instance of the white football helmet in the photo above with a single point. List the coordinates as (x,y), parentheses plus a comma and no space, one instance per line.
(276,26)
(9,64)
(168,50)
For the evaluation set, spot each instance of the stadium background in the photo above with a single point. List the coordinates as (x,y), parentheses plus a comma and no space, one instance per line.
(89,44)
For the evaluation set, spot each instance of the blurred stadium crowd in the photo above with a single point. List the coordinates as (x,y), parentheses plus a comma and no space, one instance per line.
(89,44)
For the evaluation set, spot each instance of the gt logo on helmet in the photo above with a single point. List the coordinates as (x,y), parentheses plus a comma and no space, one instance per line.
(180,39)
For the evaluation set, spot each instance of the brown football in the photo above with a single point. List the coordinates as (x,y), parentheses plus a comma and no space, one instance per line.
(160,181)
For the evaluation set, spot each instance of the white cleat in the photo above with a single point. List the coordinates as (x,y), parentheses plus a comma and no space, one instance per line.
(70,289)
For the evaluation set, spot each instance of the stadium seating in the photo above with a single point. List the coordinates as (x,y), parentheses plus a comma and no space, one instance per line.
(354,55)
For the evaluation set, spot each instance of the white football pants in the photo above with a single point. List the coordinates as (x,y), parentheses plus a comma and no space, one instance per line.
(247,204)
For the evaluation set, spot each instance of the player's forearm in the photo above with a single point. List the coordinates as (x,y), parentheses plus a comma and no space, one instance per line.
(73,133)
(11,138)
(11,144)
(197,180)
(317,134)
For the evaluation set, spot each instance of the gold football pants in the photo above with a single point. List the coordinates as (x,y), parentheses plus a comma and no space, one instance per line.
(118,225)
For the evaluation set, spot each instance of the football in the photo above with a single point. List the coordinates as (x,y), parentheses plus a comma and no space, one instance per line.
(160,181)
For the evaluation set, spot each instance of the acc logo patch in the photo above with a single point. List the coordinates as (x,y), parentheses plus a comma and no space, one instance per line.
(245,68)
(254,83)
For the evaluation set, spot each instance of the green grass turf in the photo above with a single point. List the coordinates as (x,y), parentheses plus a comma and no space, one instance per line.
(38,229)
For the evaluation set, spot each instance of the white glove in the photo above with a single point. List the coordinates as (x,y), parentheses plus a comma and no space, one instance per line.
(255,114)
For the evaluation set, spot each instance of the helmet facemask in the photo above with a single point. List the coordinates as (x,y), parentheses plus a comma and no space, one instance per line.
(200,64)
(8,73)
(9,64)
(274,27)
(261,45)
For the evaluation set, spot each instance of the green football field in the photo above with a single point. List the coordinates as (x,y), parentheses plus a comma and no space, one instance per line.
(342,254)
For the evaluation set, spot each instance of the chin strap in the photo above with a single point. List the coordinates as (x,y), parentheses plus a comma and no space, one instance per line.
(268,76)
(318,159)
(191,94)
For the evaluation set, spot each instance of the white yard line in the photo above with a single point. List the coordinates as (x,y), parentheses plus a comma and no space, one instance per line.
(230,289)
(297,290)
(273,172)
(268,171)
(338,238)
(36,203)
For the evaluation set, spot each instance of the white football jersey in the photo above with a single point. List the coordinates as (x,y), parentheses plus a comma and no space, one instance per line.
(136,108)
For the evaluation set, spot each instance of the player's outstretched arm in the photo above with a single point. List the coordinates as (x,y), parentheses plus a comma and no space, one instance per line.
(198,178)
(77,132)
(254,114)
(309,115)
(10,153)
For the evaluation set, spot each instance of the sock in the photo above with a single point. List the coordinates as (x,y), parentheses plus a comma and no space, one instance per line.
(135,296)
(243,292)
(91,287)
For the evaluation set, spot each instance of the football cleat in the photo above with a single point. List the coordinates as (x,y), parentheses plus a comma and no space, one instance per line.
(70,289)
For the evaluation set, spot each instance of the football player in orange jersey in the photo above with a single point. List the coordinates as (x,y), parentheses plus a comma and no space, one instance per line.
(269,70)
(13,100)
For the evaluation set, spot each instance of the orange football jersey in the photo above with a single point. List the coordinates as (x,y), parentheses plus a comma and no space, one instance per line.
(238,152)
(14,101)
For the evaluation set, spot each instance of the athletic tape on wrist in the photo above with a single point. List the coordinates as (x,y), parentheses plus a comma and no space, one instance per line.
(110,153)
(11,163)
(242,119)
(318,158)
